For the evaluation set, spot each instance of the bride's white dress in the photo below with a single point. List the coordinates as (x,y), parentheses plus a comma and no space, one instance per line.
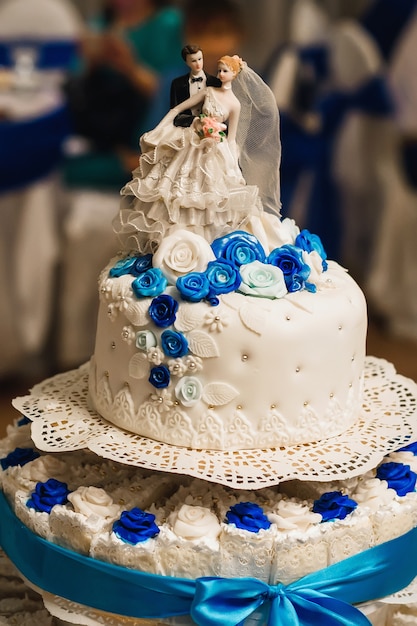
(185,181)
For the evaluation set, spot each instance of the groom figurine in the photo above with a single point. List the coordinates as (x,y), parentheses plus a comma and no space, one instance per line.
(185,86)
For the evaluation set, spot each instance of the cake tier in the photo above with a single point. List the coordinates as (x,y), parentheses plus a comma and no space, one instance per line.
(255,373)
(92,512)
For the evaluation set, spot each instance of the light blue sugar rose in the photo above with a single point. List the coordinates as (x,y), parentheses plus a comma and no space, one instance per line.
(188,390)
(145,339)
(239,248)
(262,280)
(150,283)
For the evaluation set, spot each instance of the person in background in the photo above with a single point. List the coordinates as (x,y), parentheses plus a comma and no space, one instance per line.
(128,47)
(191,83)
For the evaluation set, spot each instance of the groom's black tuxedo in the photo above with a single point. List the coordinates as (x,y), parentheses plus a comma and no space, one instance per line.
(180,91)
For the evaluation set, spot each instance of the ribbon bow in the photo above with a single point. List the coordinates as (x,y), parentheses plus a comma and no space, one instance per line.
(199,79)
(228,602)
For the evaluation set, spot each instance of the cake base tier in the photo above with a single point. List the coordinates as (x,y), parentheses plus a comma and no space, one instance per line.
(63,421)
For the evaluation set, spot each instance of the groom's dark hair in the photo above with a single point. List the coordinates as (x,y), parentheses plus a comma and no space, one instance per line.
(190,49)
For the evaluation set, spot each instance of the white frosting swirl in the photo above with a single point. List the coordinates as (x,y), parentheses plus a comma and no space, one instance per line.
(182,252)
(93,501)
(43,468)
(194,522)
(292,515)
(405,457)
(373,493)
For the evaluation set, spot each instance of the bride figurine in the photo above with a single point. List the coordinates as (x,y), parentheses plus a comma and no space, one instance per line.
(210,178)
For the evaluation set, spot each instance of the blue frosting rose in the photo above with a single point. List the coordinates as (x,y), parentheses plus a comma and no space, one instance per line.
(290,260)
(223,277)
(193,287)
(411,447)
(248,516)
(19,456)
(135,526)
(309,242)
(134,265)
(47,495)
(174,344)
(150,283)
(160,376)
(334,505)
(399,477)
(238,248)
(163,310)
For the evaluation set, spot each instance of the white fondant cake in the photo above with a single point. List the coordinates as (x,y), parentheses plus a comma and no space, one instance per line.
(252,372)
(224,329)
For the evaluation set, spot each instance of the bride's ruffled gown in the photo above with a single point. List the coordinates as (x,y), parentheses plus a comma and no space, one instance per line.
(185,181)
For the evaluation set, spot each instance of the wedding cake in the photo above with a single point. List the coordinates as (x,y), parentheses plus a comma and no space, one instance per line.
(229,454)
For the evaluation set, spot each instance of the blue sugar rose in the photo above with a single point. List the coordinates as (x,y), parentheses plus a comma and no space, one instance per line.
(134,265)
(193,287)
(122,267)
(248,516)
(334,505)
(398,476)
(163,310)
(19,456)
(149,284)
(160,376)
(223,277)
(411,447)
(290,260)
(135,526)
(238,248)
(309,242)
(47,495)
(174,344)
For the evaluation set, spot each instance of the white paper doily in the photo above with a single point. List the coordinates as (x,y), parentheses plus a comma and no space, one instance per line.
(62,421)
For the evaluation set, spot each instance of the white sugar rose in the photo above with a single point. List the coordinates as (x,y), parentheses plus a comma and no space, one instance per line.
(262,280)
(374,493)
(43,468)
(180,253)
(294,516)
(93,501)
(315,263)
(194,522)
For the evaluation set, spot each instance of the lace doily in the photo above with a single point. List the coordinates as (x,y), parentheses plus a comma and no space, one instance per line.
(63,421)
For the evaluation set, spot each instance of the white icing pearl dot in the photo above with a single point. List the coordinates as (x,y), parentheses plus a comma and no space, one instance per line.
(244,357)
(273,406)
(211,406)
(332,395)
(305,403)
(192,366)
(297,369)
(287,318)
(217,318)
(340,326)
(160,400)
(239,407)
(176,403)
(113,345)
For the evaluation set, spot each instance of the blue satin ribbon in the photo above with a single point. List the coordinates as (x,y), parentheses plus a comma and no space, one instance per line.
(323,597)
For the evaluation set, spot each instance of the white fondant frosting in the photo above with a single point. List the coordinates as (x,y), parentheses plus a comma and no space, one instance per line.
(258,373)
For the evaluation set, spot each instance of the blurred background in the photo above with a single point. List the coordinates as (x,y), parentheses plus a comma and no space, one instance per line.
(80,80)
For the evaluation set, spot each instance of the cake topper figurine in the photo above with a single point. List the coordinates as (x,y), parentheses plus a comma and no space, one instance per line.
(197,178)
(188,84)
